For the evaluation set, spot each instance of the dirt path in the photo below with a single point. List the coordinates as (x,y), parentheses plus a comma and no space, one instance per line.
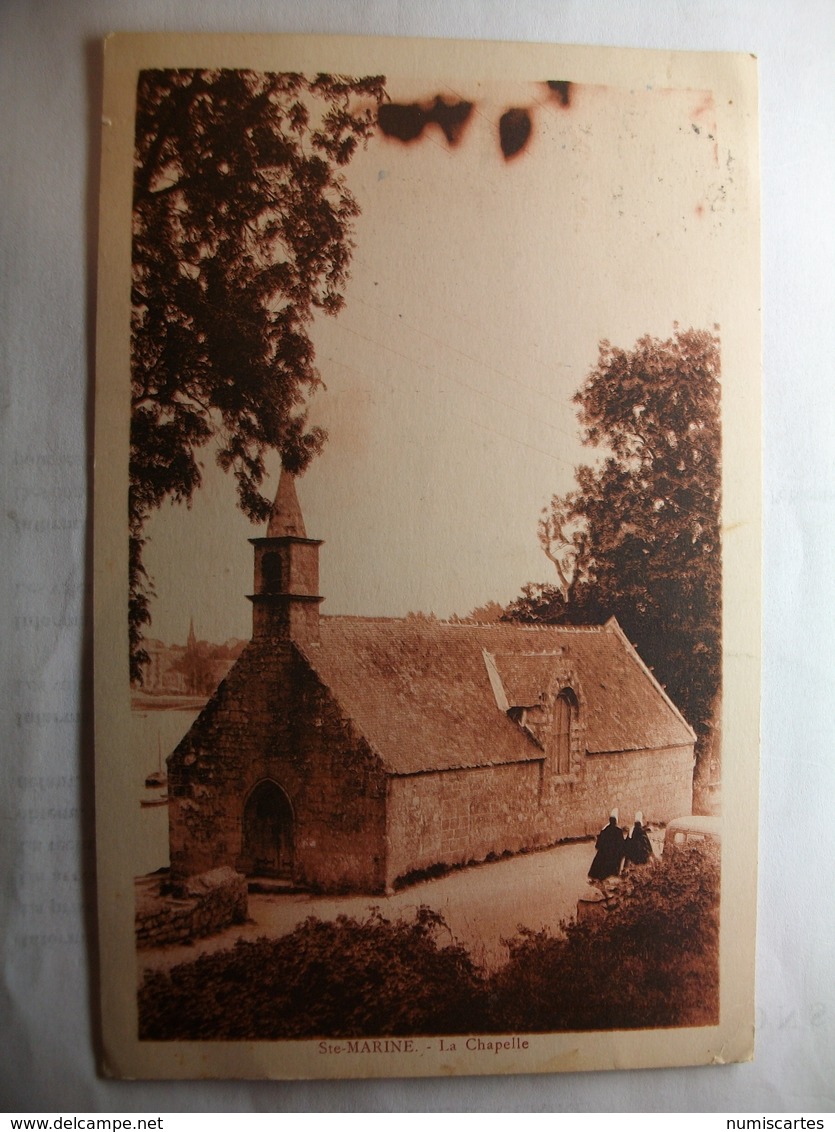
(481,905)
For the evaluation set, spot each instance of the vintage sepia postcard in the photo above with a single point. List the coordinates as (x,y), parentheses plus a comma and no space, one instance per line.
(427,551)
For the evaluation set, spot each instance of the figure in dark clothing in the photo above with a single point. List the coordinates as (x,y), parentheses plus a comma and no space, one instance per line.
(610,847)
(638,847)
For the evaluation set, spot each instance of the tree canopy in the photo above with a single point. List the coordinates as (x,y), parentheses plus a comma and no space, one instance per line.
(639,537)
(242,231)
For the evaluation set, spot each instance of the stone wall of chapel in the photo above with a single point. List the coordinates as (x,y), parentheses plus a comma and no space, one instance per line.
(457,817)
(272,720)
(658,783)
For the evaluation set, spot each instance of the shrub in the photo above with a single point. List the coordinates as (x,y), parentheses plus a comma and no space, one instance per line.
(341,977)
(651,962)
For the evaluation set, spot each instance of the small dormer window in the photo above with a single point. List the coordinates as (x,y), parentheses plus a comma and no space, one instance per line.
(524,717)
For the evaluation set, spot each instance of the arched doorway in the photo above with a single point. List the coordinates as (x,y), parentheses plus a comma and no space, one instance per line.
(268,832)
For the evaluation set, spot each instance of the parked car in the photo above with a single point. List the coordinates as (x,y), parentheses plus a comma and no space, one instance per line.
(695,831)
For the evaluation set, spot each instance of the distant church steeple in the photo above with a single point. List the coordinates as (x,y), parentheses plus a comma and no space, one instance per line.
(191,642)
(286,603)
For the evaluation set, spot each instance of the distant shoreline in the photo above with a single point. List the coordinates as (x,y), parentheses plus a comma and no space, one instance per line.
(167,702)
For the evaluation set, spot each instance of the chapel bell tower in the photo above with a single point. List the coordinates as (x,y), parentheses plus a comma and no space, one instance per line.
(286,601)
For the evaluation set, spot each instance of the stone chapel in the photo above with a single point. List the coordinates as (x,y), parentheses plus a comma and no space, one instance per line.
(348,754)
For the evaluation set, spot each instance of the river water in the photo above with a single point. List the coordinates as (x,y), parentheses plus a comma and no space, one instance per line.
(155,732)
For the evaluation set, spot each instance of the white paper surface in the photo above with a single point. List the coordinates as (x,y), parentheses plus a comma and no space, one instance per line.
(50,125)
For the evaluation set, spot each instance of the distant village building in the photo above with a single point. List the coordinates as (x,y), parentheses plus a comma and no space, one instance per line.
(353,754)
(163,672)
(193,670)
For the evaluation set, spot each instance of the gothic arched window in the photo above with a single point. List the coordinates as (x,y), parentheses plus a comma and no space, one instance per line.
(565,711)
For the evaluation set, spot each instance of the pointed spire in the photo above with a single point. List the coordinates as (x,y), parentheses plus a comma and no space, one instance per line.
(286,515)
(191,643)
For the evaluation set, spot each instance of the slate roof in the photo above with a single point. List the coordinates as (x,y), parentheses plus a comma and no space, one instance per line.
(421,693)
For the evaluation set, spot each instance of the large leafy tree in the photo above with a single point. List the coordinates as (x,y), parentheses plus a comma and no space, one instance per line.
(242,231)
(639,537)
